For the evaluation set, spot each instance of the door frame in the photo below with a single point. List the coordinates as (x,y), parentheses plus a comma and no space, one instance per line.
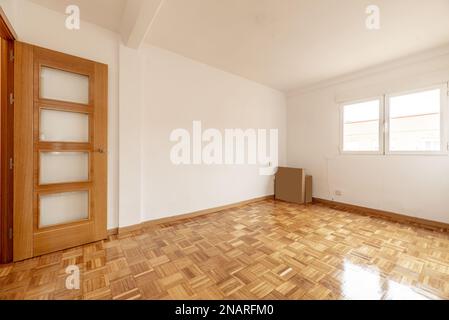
(8,36)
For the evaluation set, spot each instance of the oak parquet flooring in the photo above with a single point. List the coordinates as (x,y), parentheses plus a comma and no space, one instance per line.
(264,250)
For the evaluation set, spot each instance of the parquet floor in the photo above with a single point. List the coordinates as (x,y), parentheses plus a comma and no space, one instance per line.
(265,250)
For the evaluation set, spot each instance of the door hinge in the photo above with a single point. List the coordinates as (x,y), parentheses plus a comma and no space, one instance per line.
(11,55)
(10,234)
(11,98)
(11,164)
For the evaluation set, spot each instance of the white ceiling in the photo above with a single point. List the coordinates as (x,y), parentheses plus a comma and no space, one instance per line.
(284,44)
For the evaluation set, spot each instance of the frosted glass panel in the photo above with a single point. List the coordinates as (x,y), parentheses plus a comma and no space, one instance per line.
(61,167)
(65,86)
(60,208)
(63,126)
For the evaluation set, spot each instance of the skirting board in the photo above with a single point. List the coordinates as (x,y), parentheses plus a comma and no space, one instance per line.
(185,216)
(112,232)
(428,224)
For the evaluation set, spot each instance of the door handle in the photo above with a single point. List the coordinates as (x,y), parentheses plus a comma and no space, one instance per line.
(99,150)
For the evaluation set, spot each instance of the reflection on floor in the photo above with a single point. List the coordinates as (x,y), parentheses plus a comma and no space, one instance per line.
(266,250)
(367,284)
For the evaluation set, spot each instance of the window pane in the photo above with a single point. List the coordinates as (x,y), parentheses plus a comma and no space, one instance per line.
(415,122)
(64,86)
(361,126)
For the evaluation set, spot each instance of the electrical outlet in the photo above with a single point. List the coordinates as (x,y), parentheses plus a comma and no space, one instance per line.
(338,193)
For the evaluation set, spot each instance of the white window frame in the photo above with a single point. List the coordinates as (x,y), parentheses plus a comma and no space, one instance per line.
(443,118)
(381,125)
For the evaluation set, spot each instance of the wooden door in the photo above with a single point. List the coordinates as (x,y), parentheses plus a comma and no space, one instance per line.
(60,155)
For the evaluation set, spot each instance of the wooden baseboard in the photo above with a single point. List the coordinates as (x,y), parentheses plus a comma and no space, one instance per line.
(185,216)
(112,232)
(428,224)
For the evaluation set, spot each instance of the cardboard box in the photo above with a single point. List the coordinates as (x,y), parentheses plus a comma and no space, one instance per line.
(309,189)
(290,185)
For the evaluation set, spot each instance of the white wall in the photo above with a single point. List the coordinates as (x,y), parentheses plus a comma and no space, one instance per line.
(413,185)
(160,91)
(130,122)
(46,28)
(175,92)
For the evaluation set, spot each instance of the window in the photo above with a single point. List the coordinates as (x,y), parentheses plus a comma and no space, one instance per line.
(414,123)
(361,127)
